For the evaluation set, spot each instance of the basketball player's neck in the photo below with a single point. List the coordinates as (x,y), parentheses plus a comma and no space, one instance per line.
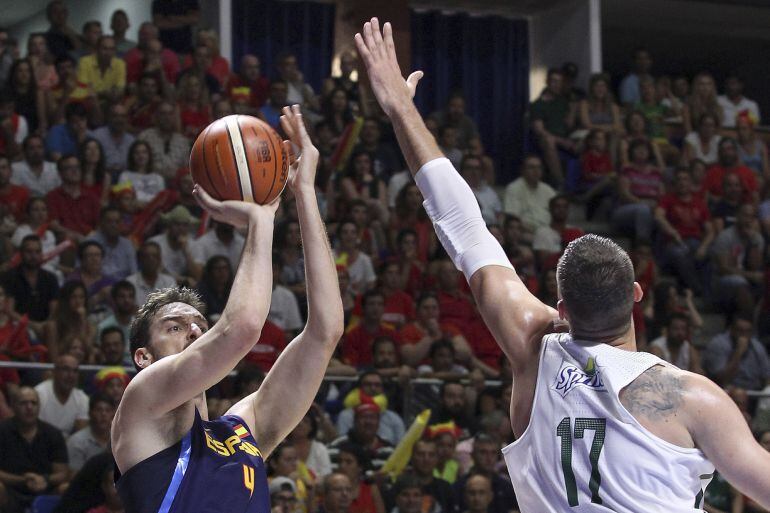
(625,340)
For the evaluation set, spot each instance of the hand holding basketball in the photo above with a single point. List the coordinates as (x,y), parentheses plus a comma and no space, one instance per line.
(302,171)
(236,213)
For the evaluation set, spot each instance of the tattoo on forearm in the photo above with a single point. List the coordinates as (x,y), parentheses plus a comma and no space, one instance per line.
(654,394)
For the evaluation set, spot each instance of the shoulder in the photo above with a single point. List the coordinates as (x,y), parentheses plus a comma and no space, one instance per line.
(50,432)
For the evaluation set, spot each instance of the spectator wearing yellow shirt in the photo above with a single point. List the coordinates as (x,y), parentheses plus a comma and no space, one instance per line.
(104,73)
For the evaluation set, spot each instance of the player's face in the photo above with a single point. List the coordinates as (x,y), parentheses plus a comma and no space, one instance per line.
(175,326)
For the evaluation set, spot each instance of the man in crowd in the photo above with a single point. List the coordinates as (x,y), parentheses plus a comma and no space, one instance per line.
(675,347)
(33,289)
(737,358)
(35,173)
(385,160)
(123,294)
(477,494)
(486,453)
(103,72)
(13,126)
(248,89)
(738,253)
(630,92)
(363,434)
(549,241)
(119,254)
(553,117)
(33,455)
(13,198)
(489,201)
(61,37)
(119,25)
(149,278)
(729,163)
(220,239)
(176,248)
(337,493)
(423,462)
(92,439)
(112,346)
(454,116)
(391,426)
(148,57)
(115,138)
(73,211)
(357,348)
(92,31)
(734,103)
(528,197)
(170,149)
(62,404)
(65,138)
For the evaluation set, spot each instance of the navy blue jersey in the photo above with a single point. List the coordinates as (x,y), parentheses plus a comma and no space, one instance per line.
(216,467)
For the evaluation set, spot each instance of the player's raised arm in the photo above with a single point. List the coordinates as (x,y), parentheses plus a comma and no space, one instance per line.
(513,314)
(184,358)
(290,386)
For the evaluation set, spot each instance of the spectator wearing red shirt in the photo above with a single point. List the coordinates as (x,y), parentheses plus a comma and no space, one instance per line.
(550,241)
(454,304)
(73,211)
(399,306)
(410,215)
(149,56)
(640,186)
(13,198)
(144,104)
(684,217)
(218,66)
(418,336)
(194,108)
(411,267)
(730,164)
(597,174)
(248,90)
(272,341)
(357,346)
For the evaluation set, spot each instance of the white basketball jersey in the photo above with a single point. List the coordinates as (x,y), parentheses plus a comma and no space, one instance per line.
(584,452)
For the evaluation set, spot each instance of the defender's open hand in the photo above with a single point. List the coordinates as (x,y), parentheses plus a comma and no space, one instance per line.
(379,55)
(302,170)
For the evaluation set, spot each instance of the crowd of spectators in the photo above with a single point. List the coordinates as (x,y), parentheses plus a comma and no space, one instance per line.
(96,212)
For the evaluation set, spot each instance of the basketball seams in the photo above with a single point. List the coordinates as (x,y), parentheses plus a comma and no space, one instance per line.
(276,171)
(211,181)
(248,163)
(235,161)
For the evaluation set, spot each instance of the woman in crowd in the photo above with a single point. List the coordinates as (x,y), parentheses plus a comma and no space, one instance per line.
(636,129)
(90,273)
(359,183)
(146,182)
(702,101)
(312,454)
(96,179)
(751,149)
(703,144)
(599,110)
(41,60)
(69,321)
(336,111)
(284,462)
(193,102)
(214,287)
(366,495)
(640,185)
(410,215)
(29,100)
(36,223)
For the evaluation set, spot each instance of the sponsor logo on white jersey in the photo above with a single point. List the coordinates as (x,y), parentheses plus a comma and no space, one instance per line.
(571,376)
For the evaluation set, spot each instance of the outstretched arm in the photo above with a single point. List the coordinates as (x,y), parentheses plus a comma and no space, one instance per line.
(289,388)
(726,442)
(511,312)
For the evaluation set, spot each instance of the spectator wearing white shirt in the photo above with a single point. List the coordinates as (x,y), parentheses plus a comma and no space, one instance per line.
(147,183)
(176,247)
(284,307)
(221,240)
(489,201)
(37,220)
(733,103)
(149,278)
(527,197)
(61,403)
(170,149)
(674,346)
(34,172)
(92,439)
(359,264)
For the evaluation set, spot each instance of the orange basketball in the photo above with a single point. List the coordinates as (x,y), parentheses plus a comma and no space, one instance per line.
(240,158)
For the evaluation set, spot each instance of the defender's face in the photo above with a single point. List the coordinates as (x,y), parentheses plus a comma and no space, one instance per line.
(174,328)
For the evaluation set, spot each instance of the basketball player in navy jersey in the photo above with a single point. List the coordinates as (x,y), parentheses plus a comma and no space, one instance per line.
(599,426)
(171,458)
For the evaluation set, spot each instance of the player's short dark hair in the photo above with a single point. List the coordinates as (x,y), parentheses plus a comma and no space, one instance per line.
(140,326)
(596,282)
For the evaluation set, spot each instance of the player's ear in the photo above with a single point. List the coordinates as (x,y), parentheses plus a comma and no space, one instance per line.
(638,292)
(143,358)
(562,310)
